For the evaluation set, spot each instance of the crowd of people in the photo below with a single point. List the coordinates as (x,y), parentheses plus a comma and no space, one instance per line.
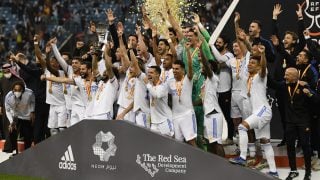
(176,83)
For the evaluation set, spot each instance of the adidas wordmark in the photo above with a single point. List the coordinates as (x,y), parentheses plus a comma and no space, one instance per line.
(67,160)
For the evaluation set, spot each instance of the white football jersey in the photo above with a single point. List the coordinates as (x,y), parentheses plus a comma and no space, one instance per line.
(159,109)
(56,97)
(181,102)
(209,95)
(141,97)
(105,97)
(126,94)
(258,92)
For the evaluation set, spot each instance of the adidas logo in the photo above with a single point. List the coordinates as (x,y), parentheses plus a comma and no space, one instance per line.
(67,160)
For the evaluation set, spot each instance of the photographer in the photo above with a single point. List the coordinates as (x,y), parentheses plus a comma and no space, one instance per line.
(19,104)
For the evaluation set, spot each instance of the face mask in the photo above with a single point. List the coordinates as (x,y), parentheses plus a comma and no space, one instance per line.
(17,94)
(7,75)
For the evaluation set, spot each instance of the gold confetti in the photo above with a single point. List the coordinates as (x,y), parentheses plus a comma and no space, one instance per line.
(157,12)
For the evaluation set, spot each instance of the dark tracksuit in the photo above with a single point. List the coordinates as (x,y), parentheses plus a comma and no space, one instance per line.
(32,73)
(297,111)
(283,61)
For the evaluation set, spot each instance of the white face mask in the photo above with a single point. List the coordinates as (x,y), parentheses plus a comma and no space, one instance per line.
(7,75)
(17,94)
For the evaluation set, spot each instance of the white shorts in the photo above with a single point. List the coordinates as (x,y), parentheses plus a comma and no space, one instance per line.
(240,106)
(164,128)
(185,126)
(260,122)
(68,118)
(105,116)
(77,114)
(130,116)
(142,119)
(213,127)
(57,116)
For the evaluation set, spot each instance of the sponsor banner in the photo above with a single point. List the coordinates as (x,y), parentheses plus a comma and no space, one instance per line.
(120,150)
(312,18)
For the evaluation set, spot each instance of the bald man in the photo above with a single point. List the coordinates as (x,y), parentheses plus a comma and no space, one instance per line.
(297,100)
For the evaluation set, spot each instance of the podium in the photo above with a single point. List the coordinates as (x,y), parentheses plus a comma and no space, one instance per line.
(119,150)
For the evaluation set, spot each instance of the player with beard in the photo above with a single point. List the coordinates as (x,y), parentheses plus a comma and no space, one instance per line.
(255,37)
(140,104)
(238,66)
(221,53)
(55,92)
(161,114)
(143,51)
(261,115)
(213,119)
(167,72)
(85,82)
(74,101)
(184,119)
(126,96)
(107,92)
(160,48)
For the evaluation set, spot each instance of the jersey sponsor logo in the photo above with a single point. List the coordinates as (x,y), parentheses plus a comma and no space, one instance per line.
(67,160)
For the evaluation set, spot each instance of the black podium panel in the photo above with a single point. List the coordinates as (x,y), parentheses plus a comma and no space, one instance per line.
(122,151)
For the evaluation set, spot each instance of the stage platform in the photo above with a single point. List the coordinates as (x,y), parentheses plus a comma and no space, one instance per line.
(121,150)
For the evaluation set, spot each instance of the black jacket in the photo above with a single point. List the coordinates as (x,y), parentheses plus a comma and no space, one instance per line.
(297,106)
(33,73)
(280,55)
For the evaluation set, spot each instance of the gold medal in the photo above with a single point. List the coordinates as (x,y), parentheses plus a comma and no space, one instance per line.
(152,102)
(249,84)
(291,94)
(179,85)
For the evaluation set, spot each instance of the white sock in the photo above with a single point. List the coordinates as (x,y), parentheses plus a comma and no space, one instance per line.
(252,150)
(268,151)
(243,141)
(54,131)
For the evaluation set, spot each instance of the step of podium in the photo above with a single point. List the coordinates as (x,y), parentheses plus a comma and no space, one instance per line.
(20,145)
(280,153)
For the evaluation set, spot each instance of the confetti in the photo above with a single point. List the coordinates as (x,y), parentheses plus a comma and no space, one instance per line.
(157,12)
